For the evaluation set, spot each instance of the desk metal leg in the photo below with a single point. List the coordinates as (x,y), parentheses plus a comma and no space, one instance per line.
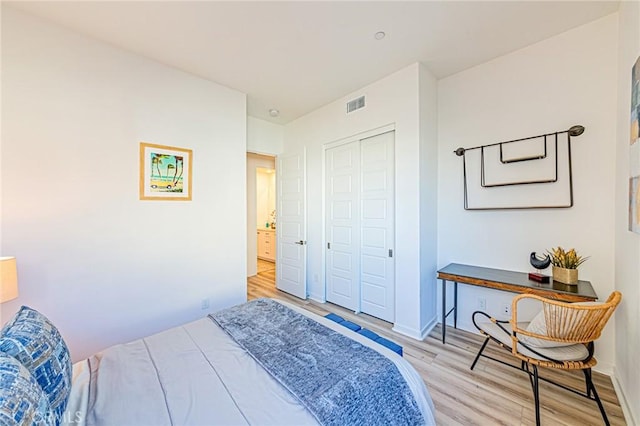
(444,309)
(455,304)
(454,309)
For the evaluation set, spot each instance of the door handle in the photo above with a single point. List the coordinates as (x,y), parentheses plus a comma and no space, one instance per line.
(300,242)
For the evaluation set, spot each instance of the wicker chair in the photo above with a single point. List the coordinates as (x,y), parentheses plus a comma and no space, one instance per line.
(561,336)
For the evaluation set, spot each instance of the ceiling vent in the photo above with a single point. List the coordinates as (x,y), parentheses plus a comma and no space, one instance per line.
(355,104)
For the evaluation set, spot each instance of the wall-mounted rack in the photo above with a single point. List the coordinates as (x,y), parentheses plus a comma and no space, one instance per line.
(550,159)
(518,160)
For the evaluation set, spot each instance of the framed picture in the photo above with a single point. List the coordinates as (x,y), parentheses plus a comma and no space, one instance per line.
(165,172)
(634,151)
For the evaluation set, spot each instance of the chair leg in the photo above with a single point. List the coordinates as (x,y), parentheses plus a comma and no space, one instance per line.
(525,367)
(587,380)
(592,389)
(536,393)
(484,345)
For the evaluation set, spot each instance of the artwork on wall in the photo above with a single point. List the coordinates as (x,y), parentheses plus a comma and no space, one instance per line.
(634,151)
(165,172)
(498,174)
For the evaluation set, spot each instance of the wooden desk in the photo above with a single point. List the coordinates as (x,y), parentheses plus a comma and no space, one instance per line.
(498,279)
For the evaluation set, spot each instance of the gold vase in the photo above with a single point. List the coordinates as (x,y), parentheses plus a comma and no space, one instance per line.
(564,275)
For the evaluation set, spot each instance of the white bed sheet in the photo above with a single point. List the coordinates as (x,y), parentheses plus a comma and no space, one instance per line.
(196,374)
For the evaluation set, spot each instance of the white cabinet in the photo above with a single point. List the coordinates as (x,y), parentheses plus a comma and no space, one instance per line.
(267,244)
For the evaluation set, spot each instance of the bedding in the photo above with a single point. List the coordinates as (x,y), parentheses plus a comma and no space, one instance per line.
(198,374)
(36,343)
(338,379)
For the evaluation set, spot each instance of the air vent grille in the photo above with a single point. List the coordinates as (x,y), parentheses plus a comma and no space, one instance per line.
(355,104)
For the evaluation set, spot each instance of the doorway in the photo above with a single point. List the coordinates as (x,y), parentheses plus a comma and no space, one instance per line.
(261,216)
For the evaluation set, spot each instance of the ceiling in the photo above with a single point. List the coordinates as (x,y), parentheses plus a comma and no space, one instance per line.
(297,56)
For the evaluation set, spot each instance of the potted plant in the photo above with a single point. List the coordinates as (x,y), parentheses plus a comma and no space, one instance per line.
(565,264)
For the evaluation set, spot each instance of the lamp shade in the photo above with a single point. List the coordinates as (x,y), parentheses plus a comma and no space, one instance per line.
(8,279)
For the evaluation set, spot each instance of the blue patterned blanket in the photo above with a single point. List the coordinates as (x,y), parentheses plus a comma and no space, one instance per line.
(339,380)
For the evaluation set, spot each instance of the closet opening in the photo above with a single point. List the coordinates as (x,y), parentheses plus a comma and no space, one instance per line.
(360,224)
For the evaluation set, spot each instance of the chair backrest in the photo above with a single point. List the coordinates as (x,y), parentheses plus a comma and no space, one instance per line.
(570,322)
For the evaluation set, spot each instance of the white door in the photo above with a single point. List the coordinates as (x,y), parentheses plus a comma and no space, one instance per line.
(291,274)
(377,227)
(342,227)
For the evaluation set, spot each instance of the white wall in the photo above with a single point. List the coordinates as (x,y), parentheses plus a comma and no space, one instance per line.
(391,100)
(549,86)
(253,162)
(428,92)
(264,137)
(101,264)
(2,253)
(627,249)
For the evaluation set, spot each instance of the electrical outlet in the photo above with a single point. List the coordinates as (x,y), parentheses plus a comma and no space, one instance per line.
(482,304)
(506,309)
(205,304)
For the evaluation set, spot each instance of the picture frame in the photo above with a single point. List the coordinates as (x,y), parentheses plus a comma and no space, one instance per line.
(165,172)
(634,150)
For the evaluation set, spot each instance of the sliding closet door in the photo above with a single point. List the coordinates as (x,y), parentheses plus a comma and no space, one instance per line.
(377,225)
(342,217)
(360,225)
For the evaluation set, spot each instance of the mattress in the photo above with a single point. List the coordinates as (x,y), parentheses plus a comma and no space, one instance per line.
(195,374)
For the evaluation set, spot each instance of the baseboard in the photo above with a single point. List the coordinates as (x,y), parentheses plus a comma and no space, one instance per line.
(413,333)
(624,404)
(406,331)
(429,327)
(606,369)
(316,298)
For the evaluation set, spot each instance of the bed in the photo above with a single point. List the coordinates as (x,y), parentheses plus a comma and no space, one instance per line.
(265,362)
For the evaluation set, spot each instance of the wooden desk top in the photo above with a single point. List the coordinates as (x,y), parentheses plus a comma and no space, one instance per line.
(517,282)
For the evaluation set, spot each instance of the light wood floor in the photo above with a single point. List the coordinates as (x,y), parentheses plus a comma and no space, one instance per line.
(491,394)
(266,266)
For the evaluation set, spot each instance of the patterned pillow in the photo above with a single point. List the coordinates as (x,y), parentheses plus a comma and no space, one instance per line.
(22,401)
(34,341)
